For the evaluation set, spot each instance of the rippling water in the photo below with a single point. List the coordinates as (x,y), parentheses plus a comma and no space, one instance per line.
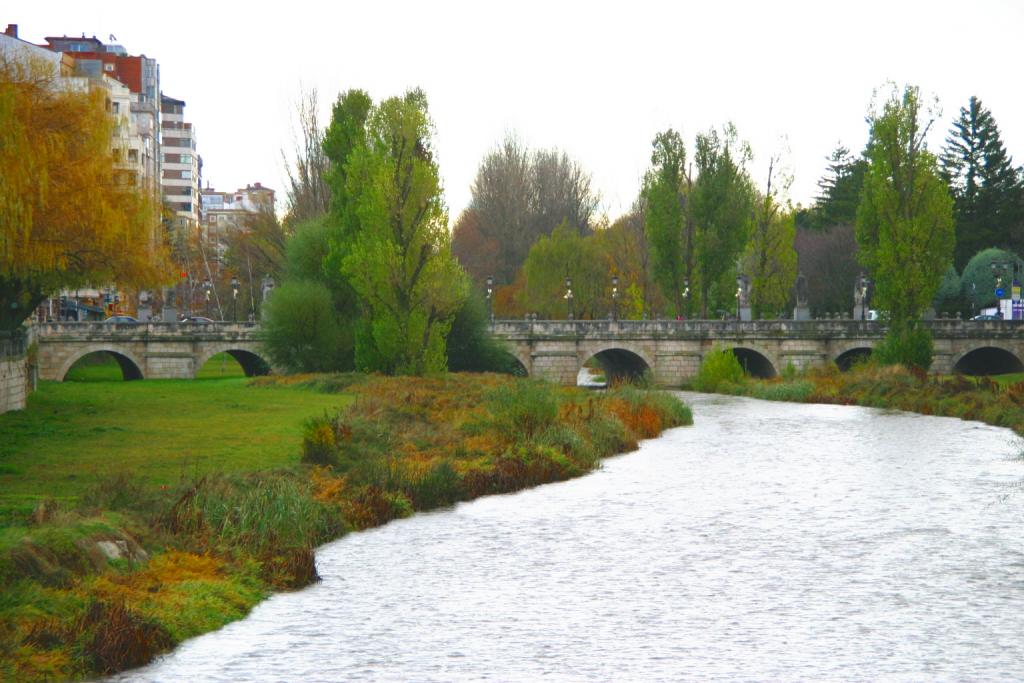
(770,541)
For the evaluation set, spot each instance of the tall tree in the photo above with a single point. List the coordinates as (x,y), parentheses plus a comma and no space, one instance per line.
(399,258)
(668,225)
(502,208)
(769,258)
(308,195)
(723,198)
(67,218)
(519,195)
(988,192)
(828,259)
(840,188)
(905,218)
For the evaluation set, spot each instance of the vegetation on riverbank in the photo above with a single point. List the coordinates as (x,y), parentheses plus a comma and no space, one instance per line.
(995,401)
(132,558)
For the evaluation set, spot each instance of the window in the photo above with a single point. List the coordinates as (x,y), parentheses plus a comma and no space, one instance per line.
(108,67)
(185,159)
(186,175)
(117,107)
(133,155)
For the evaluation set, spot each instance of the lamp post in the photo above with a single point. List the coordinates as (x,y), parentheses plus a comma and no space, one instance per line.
(568,296)
(207,288)
(686,295)
(234,299)
(615,297)
(999,270)
(739,295)
(490,299)
(864,283)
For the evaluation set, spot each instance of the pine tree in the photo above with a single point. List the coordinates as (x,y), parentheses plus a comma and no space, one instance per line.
(840,190)
(988,191)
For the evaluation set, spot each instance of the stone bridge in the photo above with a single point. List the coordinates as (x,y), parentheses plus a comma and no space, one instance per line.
(671,351)
(148,350)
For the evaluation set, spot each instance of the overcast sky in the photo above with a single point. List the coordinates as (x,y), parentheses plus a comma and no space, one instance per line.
(597,79)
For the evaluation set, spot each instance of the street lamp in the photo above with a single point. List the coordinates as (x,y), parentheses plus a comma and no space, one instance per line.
(490,300)
(739,294)
(686,294)
(615,297)
(234,298)
(207,288)
(568,295)
(864,284)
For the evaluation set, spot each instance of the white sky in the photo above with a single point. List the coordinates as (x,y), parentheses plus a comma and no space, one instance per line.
(597,79)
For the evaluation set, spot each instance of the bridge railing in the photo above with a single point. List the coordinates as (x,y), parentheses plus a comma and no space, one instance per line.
(56,329)
(717,328)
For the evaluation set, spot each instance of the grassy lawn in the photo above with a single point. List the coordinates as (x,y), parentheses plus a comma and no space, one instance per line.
(75,434)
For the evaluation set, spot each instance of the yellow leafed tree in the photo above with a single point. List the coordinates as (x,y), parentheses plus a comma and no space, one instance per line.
(67,216)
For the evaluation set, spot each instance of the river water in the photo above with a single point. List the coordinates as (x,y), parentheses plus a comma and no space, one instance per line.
(770,541)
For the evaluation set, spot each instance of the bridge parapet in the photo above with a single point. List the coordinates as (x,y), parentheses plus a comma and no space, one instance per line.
(103,330)
(731,329)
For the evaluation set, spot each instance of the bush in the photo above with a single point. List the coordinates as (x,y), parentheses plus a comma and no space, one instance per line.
(303,332)
(523,409)
(719,367)
(905,344)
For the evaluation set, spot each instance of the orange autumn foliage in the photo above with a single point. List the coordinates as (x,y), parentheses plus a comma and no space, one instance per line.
(68,215)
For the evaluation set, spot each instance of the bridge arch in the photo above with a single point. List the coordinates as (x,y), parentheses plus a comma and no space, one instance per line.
(620,364)
(251,361)
(131,366)
(851,356)
(754,359)
(989,359)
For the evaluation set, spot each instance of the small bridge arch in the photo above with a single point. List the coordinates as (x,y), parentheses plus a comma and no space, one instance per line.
(620,363)
(853,354)
(755,361)
(131,366)
(247,355)
(988,359)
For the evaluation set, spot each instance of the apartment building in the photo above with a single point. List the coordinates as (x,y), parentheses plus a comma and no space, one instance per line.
(223,212)
(140,75)
(181,167)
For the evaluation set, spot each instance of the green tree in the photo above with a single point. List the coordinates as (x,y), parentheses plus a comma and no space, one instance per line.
(988,192)
(344,135)
(565,253)
(398,259)
(669,230)
(840,189)
(947,297)
(978,282)
(905,217)
(723,198)
(770,257)
(302,330)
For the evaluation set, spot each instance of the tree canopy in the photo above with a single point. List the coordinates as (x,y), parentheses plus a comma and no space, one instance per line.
(905,217)
(67,216)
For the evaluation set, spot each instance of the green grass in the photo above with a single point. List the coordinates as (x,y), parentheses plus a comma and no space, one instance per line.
(74,435)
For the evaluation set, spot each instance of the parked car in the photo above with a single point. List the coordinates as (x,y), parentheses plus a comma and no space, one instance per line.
(199,319)
(987,316)
(121,320)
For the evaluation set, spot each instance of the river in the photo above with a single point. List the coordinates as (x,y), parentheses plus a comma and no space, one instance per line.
(770,541)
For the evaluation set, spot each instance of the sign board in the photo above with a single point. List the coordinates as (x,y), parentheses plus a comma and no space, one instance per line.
(1000,292)
(1018,310)
(1015,290)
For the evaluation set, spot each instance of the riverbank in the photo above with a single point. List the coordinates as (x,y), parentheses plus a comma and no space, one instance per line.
(105,565)
(996,402)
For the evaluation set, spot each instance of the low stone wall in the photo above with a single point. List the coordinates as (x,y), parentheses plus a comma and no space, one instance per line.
(14,384)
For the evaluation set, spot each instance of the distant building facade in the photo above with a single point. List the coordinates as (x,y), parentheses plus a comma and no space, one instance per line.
(223,212)
(181,168)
